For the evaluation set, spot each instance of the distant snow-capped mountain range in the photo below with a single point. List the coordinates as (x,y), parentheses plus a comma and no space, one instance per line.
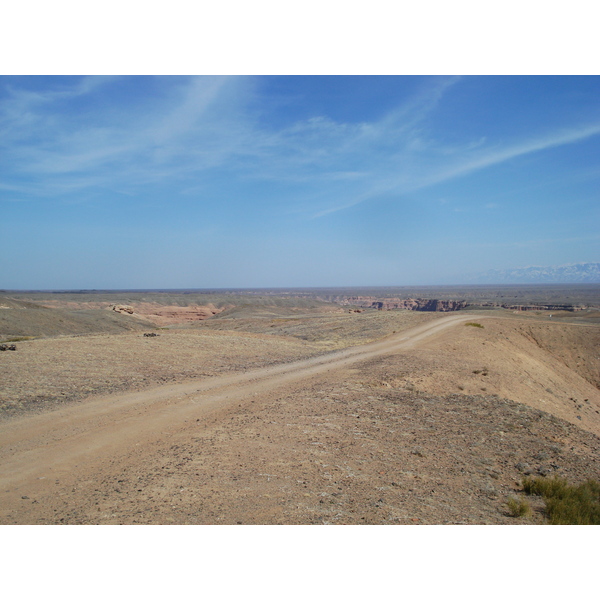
(579,273)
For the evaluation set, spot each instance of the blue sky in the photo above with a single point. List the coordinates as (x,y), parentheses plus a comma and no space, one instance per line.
(270,181)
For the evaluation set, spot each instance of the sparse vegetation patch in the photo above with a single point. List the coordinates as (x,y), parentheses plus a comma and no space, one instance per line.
(567,504)
(474,325)
(518,507)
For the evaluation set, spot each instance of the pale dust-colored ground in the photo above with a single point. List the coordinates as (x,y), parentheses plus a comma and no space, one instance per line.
(405,436)
(548,366)
(46,371)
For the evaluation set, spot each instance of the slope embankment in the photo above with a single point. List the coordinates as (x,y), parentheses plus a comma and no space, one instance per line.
(548,366)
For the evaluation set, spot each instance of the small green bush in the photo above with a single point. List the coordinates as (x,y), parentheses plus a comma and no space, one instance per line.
(474,325)
(567,504)
(518,508)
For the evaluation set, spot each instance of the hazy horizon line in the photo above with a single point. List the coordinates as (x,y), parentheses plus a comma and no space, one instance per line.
(315,287)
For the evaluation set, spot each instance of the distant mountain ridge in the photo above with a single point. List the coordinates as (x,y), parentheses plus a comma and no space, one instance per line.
(578,273)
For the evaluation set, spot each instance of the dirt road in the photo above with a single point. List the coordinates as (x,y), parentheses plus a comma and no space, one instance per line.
(39,449)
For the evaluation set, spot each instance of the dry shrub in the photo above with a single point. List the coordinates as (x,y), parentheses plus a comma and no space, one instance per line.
(567,504)
(518,508)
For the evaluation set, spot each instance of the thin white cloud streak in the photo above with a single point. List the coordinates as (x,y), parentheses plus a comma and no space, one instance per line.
(186,116)
(321,153)
(23,108)
(556,139)
(134,149)
(13,188)
(205,129)
(470,165)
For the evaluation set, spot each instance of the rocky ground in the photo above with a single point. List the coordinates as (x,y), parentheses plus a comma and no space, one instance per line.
(343,449)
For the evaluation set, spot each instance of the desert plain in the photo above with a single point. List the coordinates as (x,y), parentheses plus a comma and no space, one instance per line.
(318,406)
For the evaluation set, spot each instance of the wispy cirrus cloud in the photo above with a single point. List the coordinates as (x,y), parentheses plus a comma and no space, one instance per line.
(500,155)
(197,126)
(462,162)
(22,108)
(201,126)
(41,141)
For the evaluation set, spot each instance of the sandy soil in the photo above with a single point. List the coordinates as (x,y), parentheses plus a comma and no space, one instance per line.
(360,435)
(46,372)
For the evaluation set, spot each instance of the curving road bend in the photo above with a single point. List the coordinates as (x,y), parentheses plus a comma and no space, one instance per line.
(35,450)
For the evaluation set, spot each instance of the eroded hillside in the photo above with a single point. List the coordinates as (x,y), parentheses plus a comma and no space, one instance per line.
(549,366)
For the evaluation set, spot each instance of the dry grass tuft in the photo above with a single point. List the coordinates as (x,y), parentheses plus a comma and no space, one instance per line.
(567,504)
(518,507)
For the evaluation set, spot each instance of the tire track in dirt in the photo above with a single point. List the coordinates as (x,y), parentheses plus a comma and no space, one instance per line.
(37,449)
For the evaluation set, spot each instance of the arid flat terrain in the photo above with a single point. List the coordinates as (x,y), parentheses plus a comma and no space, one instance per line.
(283,409)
